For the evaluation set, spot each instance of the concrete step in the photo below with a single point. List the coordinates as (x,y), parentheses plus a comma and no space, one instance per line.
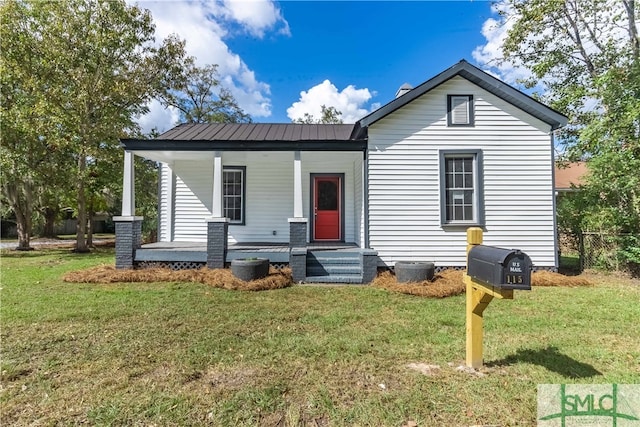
(331,269)
(313,260)
(342,278)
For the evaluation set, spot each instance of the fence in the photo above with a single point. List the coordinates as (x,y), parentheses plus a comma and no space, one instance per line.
(596,250)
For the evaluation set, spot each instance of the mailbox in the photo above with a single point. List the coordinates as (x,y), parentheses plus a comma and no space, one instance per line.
(499,267)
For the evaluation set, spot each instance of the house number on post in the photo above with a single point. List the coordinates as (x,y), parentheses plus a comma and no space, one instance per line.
(491,273)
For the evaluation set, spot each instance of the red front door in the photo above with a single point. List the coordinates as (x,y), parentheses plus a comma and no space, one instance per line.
(326,207)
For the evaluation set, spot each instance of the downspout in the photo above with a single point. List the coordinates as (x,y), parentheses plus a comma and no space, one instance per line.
(553,199)
(365,195)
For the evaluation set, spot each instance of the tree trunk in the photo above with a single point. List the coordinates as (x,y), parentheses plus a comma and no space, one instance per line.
(90,230)
(23,223)
(81,226)
(19,195)
(50,215)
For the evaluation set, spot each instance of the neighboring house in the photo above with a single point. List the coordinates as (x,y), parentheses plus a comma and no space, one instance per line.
(570,176)
(404,183)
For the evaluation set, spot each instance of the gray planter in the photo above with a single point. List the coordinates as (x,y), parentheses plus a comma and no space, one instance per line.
(407,271)
(250,268)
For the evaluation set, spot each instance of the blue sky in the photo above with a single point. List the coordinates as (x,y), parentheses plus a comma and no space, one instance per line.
(352,55)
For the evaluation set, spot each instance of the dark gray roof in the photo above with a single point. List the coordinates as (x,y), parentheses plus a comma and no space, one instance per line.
(253,136)
(259,132)
(480,78)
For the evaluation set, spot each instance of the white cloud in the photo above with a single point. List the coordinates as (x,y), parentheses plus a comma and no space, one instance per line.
(158,117)
(490,55)
(205,25)
(256,15)
(350,101)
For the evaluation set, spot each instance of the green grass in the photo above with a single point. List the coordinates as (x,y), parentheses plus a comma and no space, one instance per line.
(188,354)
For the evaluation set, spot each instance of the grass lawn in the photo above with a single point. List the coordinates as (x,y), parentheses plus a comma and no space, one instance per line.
(188,354)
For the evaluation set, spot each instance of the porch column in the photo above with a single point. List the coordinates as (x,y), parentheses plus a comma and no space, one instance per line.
(216,208)
(217,224)
(297,185)
(128,226)
(128,186)
(217,232)
(297,224)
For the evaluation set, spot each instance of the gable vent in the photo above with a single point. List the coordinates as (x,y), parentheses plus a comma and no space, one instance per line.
(459,110)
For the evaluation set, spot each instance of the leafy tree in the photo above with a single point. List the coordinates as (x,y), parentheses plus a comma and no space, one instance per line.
(91,68)
(328,115)
(26,148)
(199,97)
(585,55)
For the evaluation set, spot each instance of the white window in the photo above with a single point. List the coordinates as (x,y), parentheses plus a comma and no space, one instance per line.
(461,187)
(460,110)
(233,193)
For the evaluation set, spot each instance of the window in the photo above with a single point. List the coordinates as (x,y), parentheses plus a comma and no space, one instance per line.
(461,187)
(233,192)
(460,110)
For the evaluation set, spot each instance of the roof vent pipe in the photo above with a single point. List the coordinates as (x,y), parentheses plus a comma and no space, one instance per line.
(403,89)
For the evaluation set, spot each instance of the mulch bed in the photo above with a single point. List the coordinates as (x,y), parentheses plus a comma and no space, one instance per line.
(218,278)
(445,284)
(449,282)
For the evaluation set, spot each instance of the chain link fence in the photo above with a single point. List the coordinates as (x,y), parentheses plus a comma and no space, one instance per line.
(596,250)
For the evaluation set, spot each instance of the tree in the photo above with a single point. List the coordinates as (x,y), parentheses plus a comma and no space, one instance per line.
(585,55)
(328,115)
(93,66)
(26,149)
(199,97)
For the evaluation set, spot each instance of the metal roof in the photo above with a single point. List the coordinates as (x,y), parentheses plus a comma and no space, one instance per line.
(480,78)
(259,132)
(253,136)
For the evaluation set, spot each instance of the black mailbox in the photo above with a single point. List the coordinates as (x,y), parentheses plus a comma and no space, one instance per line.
(499,267)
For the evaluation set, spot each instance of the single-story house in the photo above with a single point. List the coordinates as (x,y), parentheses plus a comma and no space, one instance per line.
(402,184)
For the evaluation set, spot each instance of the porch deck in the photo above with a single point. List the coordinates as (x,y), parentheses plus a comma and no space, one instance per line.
(197,251)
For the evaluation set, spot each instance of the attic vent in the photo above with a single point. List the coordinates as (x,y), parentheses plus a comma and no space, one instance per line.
(403,89)
(460,110)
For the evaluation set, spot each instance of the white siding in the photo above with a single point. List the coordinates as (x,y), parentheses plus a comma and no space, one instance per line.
(404,189)
(193,195)
(269,193)
(165,204)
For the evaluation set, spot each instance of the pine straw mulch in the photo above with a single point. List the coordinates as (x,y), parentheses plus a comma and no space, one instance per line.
(218,278)
(449,283)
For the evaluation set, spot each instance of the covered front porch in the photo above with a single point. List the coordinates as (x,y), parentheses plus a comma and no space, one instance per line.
(224,199)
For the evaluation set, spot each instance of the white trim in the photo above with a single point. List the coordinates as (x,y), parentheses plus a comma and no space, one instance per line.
(216,208)
(290,220)
(298,211)
(216,219)
(128,186)
(129,218)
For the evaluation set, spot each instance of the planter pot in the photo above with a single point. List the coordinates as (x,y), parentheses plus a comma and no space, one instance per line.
(250,268)
(407,271)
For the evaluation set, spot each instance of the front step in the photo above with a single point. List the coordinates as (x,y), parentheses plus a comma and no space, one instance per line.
(334,267)
(343,278)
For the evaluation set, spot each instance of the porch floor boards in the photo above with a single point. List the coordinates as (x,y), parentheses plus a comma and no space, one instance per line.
(197,251)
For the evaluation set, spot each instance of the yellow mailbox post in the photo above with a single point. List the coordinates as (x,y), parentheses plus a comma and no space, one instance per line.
(496,276)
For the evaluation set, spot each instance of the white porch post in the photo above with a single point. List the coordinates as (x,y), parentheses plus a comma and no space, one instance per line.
(216,208)
(128,226)
(217,225)
(297,185)
(128,186)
